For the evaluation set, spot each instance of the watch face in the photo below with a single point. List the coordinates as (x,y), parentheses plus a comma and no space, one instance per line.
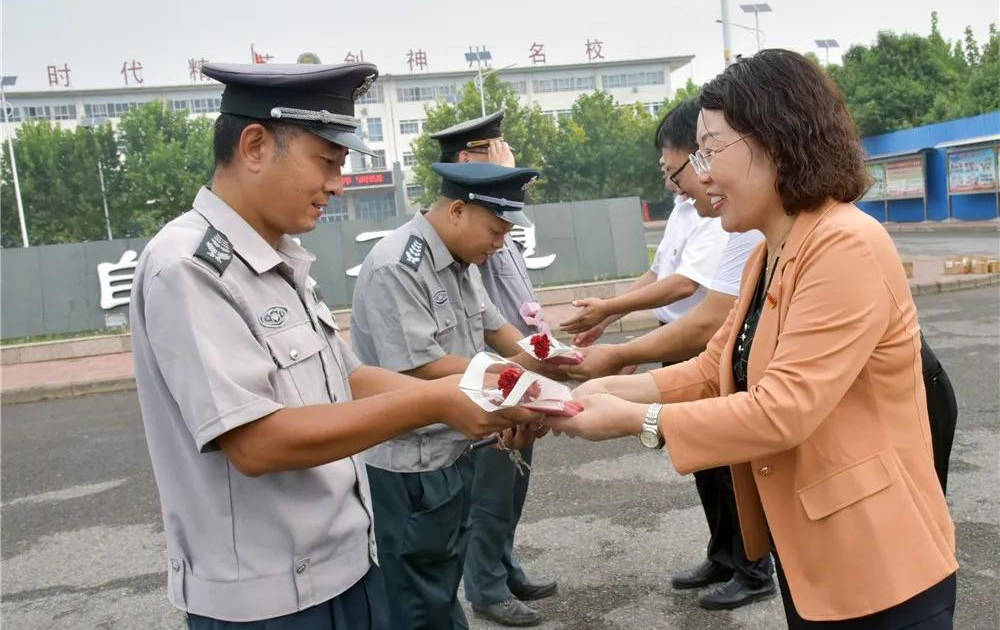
(649,439)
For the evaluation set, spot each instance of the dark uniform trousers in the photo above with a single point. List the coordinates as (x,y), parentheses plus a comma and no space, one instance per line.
(498,493)
(361,607)
(422,530)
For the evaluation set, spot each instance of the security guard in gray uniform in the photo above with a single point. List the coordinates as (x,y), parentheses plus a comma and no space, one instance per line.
(245,385)
(420,308)
(495,582)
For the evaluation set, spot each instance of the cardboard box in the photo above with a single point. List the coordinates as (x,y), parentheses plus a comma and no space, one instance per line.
(953,266)
(980,264)
(908,268)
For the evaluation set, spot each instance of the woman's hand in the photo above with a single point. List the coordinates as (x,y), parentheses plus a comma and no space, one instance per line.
(604,417)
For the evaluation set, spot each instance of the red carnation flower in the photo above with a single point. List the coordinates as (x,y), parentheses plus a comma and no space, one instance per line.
(541,345)
(508,378)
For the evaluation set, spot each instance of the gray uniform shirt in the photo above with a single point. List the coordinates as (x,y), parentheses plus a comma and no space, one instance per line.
(226,330)
(414,304)
(506,279)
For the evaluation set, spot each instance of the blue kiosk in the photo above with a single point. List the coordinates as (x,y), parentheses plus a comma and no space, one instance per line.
(941,172)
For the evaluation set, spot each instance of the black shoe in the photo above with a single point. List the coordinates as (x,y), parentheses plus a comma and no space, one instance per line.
(512,612)
(527,591)
(734,594)
(704,574)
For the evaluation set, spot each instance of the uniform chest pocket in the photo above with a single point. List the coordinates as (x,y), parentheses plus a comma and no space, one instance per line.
(301,379)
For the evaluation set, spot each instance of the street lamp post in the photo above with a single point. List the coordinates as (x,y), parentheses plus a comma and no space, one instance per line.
(827,44)
(479,55)
(100,177)
(6,81)
(756,9)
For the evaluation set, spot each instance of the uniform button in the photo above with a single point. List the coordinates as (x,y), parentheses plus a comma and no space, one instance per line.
(175,565)
(301,568)
(447,322)
(293,353)
(765,471)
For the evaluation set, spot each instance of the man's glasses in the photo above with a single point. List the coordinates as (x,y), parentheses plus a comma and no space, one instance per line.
(673,176)
(701,160)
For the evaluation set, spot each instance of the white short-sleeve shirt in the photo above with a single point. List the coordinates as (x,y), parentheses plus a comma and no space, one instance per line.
(691,247)
(734,258)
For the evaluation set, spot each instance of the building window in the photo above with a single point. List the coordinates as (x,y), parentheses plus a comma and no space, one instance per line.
(409,127)
(39,112)
(64,112)
(564,84)
(521,87)
(13,113)
(374,206)
(654,108)
(374,95)
(205,105)
(178,106)
(357,162)
(378,160)
(414,190)
(632,79)
(375,129)
(95,110)
(409,159)
(335,210)
(426,93)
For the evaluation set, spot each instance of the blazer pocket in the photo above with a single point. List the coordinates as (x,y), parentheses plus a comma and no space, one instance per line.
(845,487)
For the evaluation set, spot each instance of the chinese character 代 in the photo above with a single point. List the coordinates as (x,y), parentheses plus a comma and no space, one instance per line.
(135,69)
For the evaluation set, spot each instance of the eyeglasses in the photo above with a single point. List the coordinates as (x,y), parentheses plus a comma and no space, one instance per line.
(673,176)
(701,161)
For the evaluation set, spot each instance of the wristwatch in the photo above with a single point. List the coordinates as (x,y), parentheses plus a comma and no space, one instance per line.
(650,436)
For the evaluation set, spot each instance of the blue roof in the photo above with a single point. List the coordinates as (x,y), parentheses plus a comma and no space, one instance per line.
(926,137)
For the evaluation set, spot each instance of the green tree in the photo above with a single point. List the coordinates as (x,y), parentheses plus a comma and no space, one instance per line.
(682,94)
(165,159)
(910,80)
(528,131)
(58,176)
(604,150)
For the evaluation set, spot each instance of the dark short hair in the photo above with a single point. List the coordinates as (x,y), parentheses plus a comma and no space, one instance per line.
(229,128)
(679,128)
(798,114)
(449,156)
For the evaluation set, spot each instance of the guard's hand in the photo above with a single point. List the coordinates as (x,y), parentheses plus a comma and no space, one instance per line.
(499,153)
(592,312)
(589,336)
(604,417)
(599,360)
(520,437)
(459,412)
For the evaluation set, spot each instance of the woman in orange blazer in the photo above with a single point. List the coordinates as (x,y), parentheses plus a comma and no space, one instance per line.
(812,389)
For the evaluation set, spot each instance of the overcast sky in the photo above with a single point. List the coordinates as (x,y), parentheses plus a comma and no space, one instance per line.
(95,38)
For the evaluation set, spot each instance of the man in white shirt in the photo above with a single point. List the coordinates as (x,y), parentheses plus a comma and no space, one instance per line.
(685,263)
(743,581)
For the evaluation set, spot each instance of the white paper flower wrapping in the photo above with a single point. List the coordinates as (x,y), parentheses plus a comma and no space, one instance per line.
(559,353)
(532,391)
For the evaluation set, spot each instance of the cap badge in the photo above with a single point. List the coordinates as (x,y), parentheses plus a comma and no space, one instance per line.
(364,87)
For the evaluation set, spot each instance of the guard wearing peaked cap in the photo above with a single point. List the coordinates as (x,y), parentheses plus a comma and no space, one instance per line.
(319,98)
(496,585)
(246,386)
(420,308)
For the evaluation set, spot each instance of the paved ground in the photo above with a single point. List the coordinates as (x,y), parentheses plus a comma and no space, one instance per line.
(82,543)
(940,242)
